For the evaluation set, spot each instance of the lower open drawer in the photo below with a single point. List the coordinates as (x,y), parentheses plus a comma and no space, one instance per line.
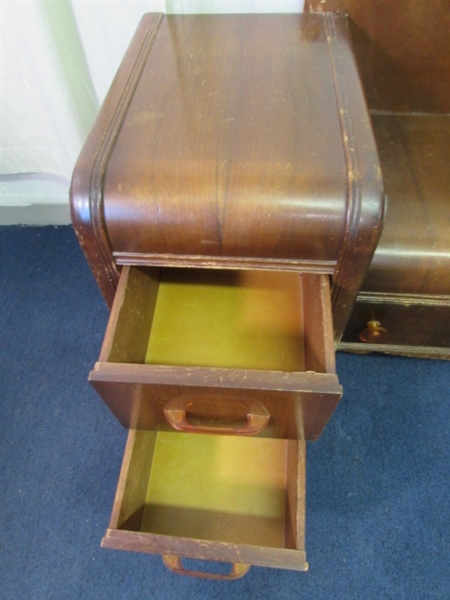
(223,498)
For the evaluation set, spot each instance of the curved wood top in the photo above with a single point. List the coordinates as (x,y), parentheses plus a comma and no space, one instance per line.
(233,144)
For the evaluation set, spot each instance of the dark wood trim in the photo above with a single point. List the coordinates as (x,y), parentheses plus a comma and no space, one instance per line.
(278,381)
(86,194)
(365,197)
(279,558)
(325,267)
(403,299)
(408,351)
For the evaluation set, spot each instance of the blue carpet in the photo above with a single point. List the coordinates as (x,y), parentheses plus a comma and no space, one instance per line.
(377,480)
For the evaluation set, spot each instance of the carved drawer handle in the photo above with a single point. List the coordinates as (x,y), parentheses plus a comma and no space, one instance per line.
(173,563)
(176,413)
(374,333)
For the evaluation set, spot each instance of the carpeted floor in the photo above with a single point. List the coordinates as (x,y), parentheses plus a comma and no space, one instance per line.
(377,480)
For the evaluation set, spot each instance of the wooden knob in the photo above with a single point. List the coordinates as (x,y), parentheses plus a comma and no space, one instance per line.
(374,333)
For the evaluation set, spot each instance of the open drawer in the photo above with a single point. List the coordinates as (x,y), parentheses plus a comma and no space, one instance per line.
(223,352)
(228,499)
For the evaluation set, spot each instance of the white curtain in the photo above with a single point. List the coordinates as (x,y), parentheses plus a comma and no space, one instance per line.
(58,60)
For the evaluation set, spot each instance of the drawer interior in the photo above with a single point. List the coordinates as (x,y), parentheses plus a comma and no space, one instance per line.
(277,321)
(231,319)
(217,489)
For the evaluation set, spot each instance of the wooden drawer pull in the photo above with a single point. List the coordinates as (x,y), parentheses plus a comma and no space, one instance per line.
(374,333)
(176,412)
(173,563)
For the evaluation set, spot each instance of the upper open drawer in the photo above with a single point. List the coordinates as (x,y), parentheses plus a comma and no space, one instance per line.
(226,352)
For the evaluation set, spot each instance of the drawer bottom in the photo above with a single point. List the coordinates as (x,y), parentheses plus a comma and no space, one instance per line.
(222,498)
(217,488)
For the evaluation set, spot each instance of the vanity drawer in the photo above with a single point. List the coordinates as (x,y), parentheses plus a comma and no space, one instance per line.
(409,326)
(228,499)
(223,352)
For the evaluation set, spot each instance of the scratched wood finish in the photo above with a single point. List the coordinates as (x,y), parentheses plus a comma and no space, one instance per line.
(221,153)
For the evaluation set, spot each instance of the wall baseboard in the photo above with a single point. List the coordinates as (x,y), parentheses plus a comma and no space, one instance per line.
(34,199)
(36,214)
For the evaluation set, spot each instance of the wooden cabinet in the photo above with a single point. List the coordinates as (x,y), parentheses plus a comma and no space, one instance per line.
(229,201)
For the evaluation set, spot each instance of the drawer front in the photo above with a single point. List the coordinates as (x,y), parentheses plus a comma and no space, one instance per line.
(220,352)
(211,497)
(386,325)
(279,405)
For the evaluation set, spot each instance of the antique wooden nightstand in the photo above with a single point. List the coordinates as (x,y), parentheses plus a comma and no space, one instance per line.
(229,201)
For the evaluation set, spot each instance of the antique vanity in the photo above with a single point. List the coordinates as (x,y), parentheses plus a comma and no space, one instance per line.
(402,49)
(229,201)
